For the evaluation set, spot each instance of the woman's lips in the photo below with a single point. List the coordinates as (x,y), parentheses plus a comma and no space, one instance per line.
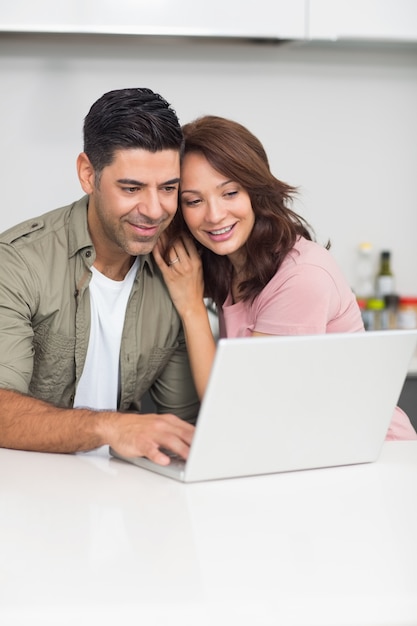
(220,234)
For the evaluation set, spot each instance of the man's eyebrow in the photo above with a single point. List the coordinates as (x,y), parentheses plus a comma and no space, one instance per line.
(130,181)
(137,183)
(173,181)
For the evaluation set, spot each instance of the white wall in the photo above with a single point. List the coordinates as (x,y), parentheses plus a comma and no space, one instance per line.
(339,122)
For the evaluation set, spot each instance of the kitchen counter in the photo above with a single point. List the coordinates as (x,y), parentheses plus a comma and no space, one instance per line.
(86,539)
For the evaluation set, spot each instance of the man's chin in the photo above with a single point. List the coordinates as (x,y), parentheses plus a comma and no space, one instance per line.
(140,248)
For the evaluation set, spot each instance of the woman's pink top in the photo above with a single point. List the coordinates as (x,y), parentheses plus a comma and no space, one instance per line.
(308,295)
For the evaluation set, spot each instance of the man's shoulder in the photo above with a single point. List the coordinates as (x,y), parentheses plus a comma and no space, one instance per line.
(36,227)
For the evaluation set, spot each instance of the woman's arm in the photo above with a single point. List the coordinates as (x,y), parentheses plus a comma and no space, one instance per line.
(183,275)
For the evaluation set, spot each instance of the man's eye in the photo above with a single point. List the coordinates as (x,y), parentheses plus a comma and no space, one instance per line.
(130,189)
(170,188)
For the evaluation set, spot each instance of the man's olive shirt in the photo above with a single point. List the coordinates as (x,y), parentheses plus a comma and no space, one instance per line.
(45,319)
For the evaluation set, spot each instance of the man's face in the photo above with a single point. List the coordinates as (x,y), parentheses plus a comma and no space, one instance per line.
(134,200)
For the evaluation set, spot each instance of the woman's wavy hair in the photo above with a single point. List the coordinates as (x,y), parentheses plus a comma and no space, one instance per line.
(233,151)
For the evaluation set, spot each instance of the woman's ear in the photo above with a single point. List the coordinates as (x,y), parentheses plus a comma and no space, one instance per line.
(86,174)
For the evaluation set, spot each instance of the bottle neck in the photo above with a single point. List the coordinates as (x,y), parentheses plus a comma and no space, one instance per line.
(385,268)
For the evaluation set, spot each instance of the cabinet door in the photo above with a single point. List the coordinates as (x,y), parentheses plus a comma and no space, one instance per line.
(384,20)
(282,19)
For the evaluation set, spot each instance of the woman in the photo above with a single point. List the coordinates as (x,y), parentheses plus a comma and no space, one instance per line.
(261,265)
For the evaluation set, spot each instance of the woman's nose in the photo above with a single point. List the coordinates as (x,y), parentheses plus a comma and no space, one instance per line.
(215,212)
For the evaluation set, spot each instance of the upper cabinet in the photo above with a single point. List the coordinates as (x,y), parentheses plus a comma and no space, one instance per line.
(378,20)
(366,20)
(264,19)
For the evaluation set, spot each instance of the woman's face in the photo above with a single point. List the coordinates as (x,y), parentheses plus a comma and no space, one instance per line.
(217,210)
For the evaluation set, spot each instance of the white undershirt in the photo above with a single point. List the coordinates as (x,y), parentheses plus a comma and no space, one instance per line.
(98,387)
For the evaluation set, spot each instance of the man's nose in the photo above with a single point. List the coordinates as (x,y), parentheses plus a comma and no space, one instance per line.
(150,204)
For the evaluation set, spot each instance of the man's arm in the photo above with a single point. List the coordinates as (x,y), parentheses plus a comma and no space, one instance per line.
(30,424)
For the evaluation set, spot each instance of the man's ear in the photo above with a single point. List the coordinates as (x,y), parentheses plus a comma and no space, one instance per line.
(86,173)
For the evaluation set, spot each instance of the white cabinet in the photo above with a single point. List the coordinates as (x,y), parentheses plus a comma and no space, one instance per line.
(275,19)
(383,20)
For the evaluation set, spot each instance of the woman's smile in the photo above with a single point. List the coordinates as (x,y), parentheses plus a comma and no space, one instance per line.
(221,234)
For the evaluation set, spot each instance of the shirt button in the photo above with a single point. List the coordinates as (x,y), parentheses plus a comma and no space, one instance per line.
(88,254)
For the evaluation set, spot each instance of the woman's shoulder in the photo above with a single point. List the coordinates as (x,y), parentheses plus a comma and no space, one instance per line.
(310,261)
(306,251)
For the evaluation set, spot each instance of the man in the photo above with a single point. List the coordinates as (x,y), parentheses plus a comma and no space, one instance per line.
(86,323)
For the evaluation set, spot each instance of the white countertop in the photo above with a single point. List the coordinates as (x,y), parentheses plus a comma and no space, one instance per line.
(85,540)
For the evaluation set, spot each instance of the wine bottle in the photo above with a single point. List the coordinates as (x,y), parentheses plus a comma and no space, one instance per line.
(385,276)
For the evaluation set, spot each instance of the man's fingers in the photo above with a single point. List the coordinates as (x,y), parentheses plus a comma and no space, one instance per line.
(157,456)
(176,438)
(148,435)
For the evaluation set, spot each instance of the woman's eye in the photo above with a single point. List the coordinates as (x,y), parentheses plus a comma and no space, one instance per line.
(194,202)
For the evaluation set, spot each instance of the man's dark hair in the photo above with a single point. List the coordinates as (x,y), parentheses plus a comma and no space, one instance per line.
(129,118)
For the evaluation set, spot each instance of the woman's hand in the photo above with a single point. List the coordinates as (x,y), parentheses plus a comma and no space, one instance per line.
(183,274)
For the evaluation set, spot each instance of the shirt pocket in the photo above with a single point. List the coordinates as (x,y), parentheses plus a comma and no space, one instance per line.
(53,378)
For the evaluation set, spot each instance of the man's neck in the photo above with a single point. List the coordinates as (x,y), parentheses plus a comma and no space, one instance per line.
(114,270)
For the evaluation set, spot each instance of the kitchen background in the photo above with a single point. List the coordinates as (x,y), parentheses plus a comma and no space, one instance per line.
(337,116)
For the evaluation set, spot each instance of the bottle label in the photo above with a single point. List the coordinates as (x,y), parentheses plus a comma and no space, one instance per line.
(385,286)
(407,319)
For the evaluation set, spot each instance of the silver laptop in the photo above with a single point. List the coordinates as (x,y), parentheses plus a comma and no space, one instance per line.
(279,404)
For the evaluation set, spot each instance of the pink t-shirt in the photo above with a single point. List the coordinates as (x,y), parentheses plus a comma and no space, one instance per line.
(308,295)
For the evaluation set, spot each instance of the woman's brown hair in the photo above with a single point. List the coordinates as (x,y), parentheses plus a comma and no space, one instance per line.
(233,151)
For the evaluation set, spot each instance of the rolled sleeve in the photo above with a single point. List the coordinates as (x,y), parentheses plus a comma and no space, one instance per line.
(16,333)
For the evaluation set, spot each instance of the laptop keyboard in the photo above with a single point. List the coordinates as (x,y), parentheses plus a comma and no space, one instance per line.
(176,459)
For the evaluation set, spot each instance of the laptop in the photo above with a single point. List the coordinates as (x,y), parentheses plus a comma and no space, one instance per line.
(280,404)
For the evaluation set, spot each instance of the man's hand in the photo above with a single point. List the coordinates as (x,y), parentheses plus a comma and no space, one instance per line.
(132,434)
